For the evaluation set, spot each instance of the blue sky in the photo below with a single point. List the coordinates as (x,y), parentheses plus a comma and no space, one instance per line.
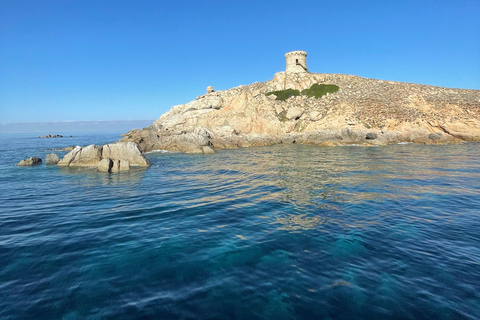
(130,60)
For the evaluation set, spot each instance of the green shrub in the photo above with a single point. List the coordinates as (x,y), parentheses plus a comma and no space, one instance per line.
(319,90)
(316,90)
(283,95)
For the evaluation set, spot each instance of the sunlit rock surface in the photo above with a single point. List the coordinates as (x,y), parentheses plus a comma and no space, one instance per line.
(363,111)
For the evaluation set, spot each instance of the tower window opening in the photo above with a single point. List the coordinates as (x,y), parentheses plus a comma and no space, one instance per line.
(296,61)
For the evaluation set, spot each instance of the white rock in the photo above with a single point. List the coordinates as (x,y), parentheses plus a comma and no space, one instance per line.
(128,151)
(294,113)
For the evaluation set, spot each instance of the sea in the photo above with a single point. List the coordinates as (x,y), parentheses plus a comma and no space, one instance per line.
(277,232)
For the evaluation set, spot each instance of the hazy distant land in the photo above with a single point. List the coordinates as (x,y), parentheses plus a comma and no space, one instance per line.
(73,126)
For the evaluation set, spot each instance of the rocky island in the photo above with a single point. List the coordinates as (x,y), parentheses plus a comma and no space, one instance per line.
(297,106)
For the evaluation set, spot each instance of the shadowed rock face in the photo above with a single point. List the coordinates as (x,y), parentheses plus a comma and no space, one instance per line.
(362,111)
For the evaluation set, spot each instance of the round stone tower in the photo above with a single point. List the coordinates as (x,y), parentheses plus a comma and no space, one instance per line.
(296,62)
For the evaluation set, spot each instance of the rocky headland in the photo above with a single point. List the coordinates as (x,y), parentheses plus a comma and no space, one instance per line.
(363,111)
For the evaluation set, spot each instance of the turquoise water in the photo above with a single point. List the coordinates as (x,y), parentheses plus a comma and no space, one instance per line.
(280,232)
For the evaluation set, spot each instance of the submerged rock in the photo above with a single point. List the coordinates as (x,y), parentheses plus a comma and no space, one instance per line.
(29,162)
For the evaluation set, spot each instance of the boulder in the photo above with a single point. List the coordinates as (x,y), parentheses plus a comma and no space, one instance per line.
(371,136)
(294,113)
(52,158)
(29,162)
(113,166)
(127,151)
(89,156)
(120,166)
(435,136)
(67,159)
(105,165)
(207,150)
(314,115)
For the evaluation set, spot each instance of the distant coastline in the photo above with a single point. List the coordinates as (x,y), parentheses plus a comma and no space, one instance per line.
(60,127)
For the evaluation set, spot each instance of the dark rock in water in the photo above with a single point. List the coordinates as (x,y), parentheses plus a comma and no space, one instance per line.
(69,148)
(30,162)
(435,136)
(52,158)
(50,136)
(371,136)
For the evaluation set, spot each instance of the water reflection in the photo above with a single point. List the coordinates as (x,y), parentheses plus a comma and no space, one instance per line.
(319,185)
(90,176)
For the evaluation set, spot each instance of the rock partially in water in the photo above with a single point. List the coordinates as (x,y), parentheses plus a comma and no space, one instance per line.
(120,166)
(29,162)
(89,156)
(52,158)
(105,165)
(127,151)
(52,136)
(115,157)
(363,111)
(435,136)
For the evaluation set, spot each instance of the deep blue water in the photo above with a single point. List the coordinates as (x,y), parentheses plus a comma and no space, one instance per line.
(280,232)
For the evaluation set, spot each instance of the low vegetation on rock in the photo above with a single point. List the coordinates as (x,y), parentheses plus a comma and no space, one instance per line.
(319,90)
(283,95)
(316,90)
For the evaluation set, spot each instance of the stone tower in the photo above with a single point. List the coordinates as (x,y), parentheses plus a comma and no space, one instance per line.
(296,62)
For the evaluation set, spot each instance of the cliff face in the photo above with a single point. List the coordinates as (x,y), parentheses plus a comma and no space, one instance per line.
(362,111)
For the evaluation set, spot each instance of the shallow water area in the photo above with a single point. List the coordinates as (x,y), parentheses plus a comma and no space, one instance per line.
(279,232)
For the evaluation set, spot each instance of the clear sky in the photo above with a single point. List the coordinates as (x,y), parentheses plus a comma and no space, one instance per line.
(130,60)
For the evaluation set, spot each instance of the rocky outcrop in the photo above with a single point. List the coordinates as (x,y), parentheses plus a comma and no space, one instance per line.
(30,162)
(115,157)
(53,136)
(363,111)
(52,158)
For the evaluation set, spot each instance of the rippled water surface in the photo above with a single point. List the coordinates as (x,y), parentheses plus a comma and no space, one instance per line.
(280,232)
